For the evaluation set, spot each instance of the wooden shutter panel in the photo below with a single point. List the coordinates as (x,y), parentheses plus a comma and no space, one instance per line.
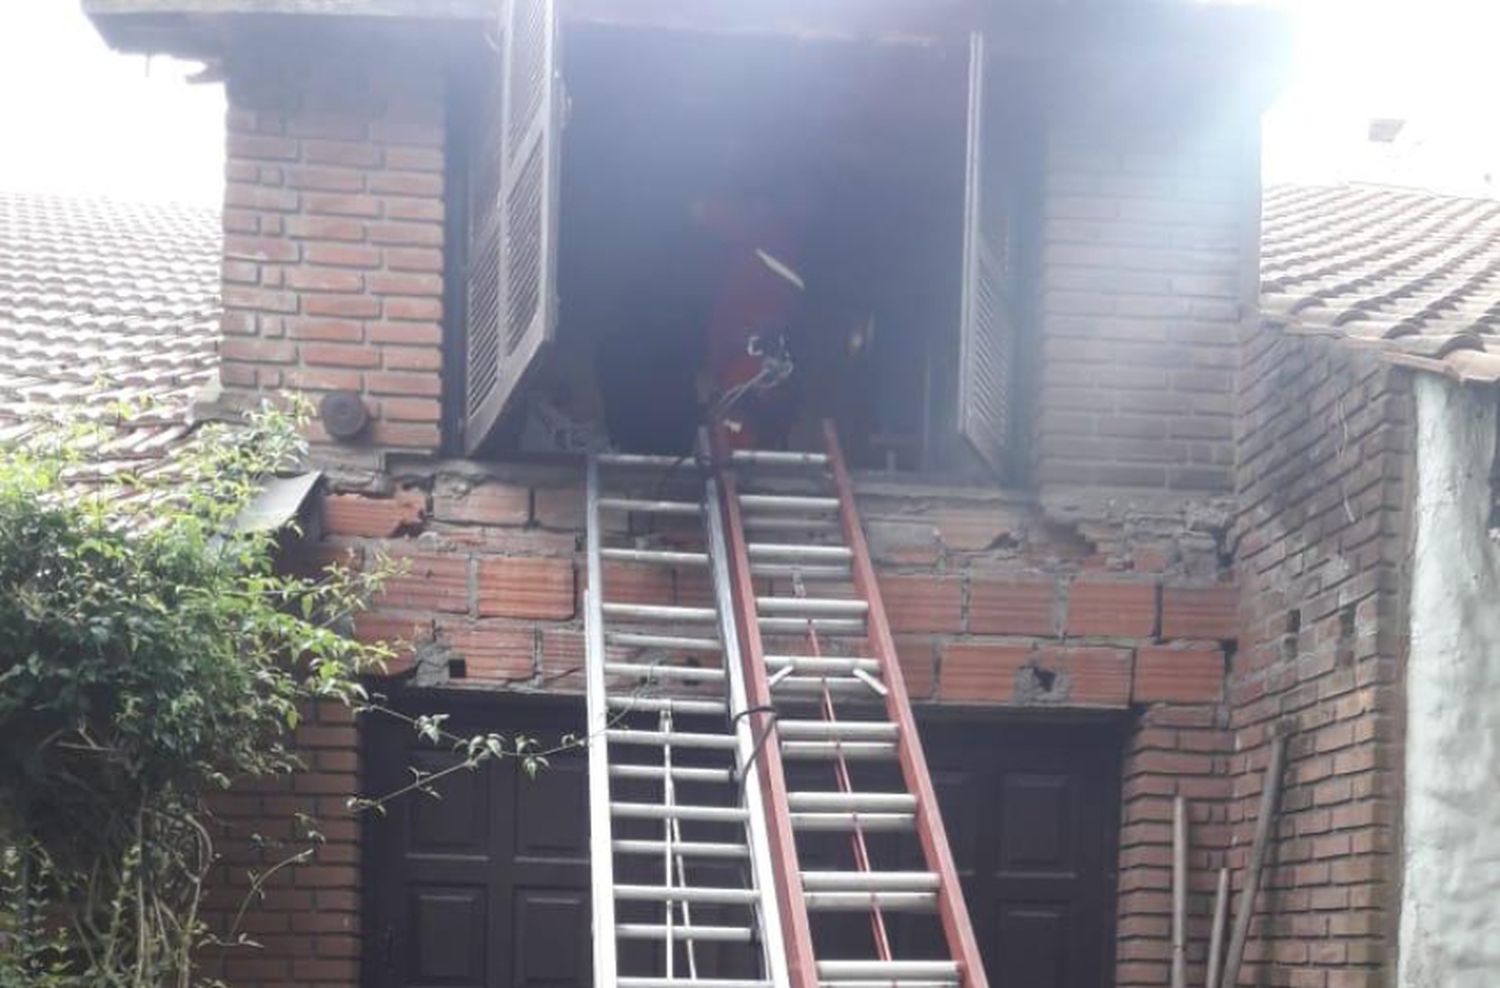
(987,324)
(512,284)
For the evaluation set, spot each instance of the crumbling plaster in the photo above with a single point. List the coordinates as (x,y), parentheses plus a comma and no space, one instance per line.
(1450,906)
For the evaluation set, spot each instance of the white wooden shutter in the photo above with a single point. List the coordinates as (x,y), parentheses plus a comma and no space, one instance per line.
(987,325)
(512,284)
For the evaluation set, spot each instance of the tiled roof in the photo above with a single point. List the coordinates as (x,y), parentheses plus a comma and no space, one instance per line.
(1412,274)
(104,304)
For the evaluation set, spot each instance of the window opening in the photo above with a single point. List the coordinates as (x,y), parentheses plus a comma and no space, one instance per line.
(725,198)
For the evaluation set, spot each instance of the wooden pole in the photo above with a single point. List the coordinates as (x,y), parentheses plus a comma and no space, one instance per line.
(1270,794)
(1179,893)
(1216,935)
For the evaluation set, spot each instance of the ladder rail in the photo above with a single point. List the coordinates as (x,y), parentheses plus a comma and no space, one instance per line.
(796,926)
(601,846)
(953,915)
(763,871)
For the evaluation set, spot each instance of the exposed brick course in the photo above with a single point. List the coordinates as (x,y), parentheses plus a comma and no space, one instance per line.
(526,588)
(1179,674)
(923,603)
(1012,607)
(354,514)
(1200,612)
(1098,607)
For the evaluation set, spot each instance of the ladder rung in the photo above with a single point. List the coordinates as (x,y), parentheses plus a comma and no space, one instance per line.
(821,663)
(679,893)
(659,704)
(857,802)
(643,506)
(658,557)
(852,750)
(691,983)
(838,730)
(886,970)
(687,849)
(641,460)
(661,612)
(778,458)
(815,684)
(788,502)
(812,606)
(869,881)
(811,573)
(825,625)
(656,811)
(680,773)
(895,901)
(774,523)
(847,821)
(672,643)
(813,553)
(660,670)
(660,931)
(891,983)
(681,739)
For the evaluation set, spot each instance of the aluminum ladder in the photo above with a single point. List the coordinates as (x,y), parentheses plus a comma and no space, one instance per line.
(846,781)
(682,885)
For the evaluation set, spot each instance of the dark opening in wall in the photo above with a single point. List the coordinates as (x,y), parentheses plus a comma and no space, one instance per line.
(1345,649)
(1289,636)
(715,188)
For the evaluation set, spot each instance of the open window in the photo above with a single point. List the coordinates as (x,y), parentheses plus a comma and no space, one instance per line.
(829,201)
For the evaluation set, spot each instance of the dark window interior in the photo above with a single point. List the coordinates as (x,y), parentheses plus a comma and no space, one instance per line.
(682,155)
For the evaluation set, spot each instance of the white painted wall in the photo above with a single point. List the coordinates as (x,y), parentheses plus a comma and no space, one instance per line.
(1450,905)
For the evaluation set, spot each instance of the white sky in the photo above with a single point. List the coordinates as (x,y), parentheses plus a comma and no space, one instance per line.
(78,118)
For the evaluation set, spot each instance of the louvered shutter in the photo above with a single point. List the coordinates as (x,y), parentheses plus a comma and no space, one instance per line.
(987,324)
(512,283)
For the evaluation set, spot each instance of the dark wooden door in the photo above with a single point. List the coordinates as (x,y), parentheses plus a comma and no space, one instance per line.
(1031,813)
(486,886)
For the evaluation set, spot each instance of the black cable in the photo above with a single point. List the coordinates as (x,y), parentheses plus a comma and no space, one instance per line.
(741,775)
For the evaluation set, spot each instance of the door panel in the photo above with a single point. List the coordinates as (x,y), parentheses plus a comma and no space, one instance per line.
(552,938)
(487,885)
(1031,811)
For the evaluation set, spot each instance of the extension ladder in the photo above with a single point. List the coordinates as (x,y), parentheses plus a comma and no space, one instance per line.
(851,802)
(683,889)
(786,672)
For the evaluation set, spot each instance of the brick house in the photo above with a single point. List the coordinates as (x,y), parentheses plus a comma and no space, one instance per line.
(1118,547)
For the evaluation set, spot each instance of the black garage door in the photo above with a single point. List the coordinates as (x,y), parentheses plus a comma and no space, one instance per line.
(489,884)
(1032,816)
(487,887)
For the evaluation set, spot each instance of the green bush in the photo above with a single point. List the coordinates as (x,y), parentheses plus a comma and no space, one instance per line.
(150,653)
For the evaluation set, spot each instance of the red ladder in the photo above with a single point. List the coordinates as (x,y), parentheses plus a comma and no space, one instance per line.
(836,699)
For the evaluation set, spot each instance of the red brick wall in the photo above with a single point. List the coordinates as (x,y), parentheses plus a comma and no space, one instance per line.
(1322,481)
(981,590)
(305,931)
(1148,235)
(333,226)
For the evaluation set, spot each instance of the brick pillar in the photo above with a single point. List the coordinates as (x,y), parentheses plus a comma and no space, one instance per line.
(1148,233)
(333,260)
(1323,528)
(305,926)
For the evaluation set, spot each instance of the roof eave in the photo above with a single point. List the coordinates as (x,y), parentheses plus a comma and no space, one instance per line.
(196,28)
